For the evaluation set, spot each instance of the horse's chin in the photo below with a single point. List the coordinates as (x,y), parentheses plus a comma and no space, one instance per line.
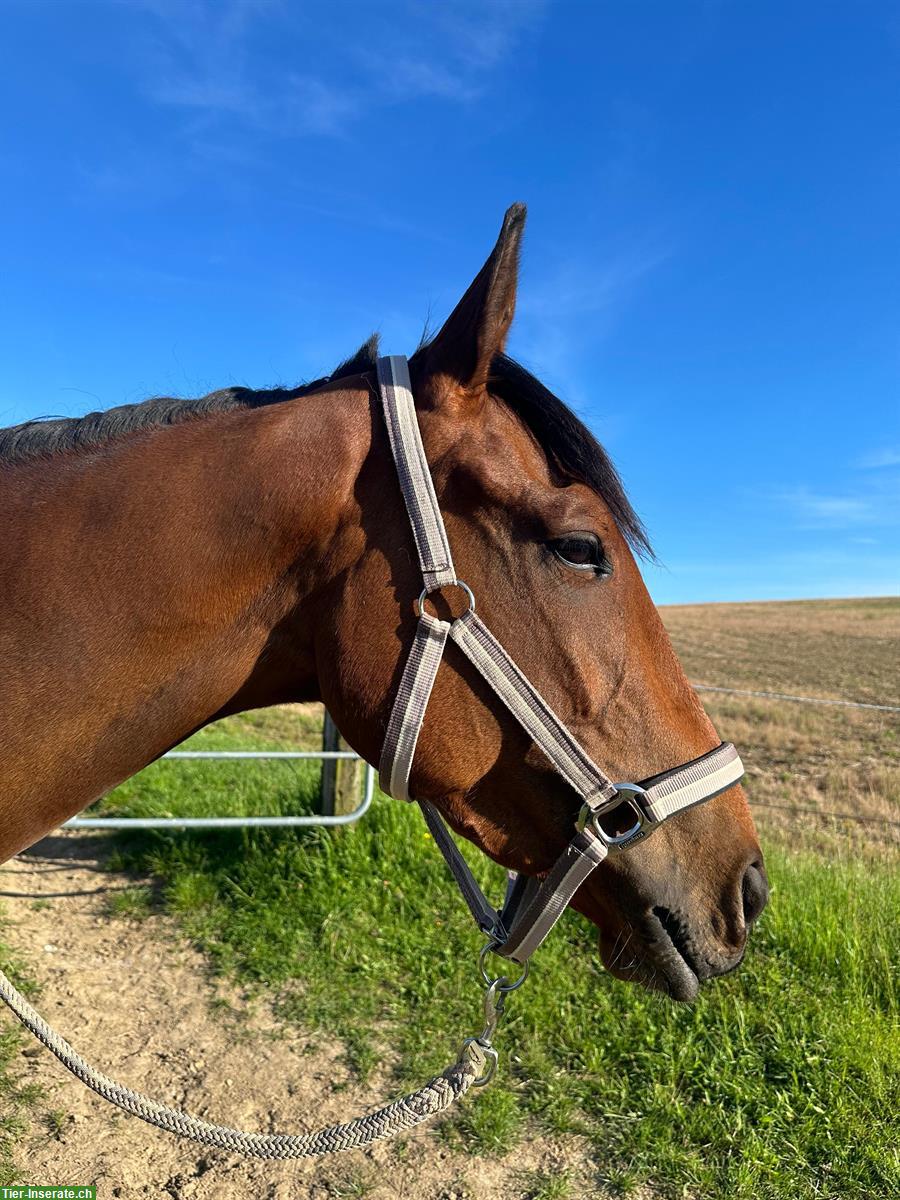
(654,962)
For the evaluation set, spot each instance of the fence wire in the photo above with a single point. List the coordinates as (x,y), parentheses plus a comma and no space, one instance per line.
(840,703)
(818,812)
(725,691)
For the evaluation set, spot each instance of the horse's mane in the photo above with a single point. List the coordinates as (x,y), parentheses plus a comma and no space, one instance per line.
(50,436)
(571,449)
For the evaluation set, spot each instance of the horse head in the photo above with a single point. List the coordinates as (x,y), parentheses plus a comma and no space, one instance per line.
(542,531)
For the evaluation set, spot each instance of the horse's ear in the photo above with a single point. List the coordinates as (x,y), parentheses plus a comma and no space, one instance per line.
(476,329)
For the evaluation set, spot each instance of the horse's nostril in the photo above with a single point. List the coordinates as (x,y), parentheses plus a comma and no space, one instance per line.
(755,891)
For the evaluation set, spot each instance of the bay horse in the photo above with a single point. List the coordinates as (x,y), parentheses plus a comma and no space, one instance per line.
(168,563)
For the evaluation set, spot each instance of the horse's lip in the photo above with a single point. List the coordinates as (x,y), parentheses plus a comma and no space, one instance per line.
(662,966)
(671,954)
(681,982)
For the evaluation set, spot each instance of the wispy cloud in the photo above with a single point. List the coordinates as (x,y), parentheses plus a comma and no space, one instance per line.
(205,59)
(872,500)
(593,290)
(886,456)
(818,509)
(577,305)
(200,59)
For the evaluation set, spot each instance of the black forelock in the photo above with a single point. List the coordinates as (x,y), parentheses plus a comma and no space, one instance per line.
(571,449)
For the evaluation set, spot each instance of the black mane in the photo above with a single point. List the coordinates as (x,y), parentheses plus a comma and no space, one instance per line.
(572,450)
(48,436)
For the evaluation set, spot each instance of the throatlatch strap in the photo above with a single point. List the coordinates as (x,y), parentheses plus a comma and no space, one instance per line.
(486,916)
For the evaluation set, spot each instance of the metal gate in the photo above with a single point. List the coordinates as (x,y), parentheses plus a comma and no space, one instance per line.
(368,789)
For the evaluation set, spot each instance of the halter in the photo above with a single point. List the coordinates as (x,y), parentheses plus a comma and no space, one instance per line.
(531,907)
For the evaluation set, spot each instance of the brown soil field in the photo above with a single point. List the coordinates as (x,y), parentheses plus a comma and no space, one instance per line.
(804,756)
(833,648)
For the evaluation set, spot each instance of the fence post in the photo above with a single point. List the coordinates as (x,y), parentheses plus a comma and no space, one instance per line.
(341,777)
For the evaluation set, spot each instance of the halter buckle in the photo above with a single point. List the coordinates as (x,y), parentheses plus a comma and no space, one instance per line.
(626,793)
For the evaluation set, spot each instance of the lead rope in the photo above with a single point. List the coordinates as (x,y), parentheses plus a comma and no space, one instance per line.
(474,1067)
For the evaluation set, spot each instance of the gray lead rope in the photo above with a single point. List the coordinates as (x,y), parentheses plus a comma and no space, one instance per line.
(531,908)
(436,1096)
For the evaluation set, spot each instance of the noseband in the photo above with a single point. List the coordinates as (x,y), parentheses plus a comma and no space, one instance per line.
(531,907)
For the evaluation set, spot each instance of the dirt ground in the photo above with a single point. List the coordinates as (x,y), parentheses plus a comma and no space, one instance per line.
(830,648)
(137,1001)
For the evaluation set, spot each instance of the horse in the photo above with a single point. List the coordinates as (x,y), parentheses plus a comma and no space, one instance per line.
(169,563)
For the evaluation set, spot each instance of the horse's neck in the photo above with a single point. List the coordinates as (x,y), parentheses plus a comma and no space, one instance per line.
(144,588)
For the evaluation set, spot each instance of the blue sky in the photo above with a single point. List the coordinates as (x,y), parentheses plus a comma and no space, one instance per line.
(198,194)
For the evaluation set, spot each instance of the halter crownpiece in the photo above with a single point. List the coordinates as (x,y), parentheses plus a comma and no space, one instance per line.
(531,907)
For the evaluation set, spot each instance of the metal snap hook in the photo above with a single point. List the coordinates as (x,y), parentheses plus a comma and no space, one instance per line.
(479,1052)
(494,1003)
(484,1057)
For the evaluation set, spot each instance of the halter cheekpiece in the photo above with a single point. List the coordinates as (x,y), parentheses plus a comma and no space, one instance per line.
(531,907)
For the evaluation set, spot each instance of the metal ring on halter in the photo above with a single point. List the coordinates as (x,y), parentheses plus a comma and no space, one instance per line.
(499,979)
(626,793)
(426,592)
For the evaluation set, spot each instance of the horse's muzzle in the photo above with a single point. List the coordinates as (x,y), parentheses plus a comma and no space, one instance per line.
(671,952)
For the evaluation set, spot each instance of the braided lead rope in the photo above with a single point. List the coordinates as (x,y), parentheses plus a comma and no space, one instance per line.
(435,1097)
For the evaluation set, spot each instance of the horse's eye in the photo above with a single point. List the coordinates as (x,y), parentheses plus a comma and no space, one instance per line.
(581,551)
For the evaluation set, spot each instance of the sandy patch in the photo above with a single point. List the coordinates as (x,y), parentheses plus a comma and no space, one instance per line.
(136,999)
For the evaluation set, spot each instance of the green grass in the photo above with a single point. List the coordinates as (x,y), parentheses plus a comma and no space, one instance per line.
(134,902)
(540,1186)
(16,1099)
(782,1081)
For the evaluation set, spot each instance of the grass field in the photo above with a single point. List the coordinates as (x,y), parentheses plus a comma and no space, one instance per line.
(782,1081)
